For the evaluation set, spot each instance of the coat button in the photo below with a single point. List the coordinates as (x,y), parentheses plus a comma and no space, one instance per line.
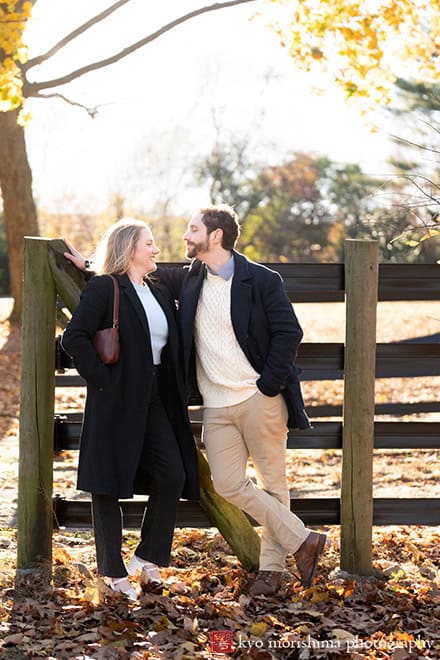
(100,389)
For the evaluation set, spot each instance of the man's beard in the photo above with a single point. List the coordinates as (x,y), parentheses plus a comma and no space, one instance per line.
(191,251)
(194,249)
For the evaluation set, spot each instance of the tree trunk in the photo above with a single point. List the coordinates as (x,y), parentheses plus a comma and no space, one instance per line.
(18,203)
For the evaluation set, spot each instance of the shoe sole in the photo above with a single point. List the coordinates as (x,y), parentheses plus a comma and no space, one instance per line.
(319,551)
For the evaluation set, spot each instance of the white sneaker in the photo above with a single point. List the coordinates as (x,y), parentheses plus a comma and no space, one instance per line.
(120,585)
(145,570)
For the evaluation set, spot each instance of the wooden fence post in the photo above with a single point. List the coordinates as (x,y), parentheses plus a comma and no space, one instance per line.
(35,477)
(361,284)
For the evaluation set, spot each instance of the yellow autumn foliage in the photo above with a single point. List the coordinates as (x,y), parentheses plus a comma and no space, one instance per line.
(363,45)
(13,17)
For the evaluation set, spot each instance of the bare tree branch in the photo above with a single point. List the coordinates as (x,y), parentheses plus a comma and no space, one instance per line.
(69,37)
(412,144)
(434,128)
(32,89)
(92,112)
(408,177)
(411,230)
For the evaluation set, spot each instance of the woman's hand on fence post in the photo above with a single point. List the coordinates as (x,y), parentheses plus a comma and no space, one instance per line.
(74,256)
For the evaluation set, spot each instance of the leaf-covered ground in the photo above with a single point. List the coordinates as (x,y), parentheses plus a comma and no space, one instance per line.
(393,615)
(204,610)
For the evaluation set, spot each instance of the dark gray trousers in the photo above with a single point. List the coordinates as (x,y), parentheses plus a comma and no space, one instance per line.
(162,464)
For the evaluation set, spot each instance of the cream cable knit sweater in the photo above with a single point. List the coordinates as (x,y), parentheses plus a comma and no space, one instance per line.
(224,374)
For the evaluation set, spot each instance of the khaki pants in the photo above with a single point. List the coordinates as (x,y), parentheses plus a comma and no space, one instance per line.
(255,428)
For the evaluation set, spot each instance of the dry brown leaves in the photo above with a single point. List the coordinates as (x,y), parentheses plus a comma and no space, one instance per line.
(395,614)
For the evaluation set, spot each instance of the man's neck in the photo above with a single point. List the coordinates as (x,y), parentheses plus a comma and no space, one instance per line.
(216,260)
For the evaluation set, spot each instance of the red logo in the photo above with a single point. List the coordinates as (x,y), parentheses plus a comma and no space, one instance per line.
(221,641)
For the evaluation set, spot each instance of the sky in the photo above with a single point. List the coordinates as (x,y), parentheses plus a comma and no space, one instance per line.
(162,108)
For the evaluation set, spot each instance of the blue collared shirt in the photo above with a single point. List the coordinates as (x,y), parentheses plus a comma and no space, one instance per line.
(226,271)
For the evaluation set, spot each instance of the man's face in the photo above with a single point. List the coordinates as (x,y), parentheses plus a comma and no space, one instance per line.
(196,237)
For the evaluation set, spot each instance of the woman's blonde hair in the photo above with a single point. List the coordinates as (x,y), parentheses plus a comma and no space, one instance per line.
(115,250)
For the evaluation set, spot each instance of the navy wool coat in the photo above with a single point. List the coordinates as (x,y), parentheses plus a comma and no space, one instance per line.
(264,323)
(115,416)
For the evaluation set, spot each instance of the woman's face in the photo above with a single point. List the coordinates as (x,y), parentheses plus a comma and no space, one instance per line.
(145,253)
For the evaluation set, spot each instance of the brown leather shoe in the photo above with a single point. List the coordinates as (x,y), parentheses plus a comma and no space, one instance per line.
(266,583)
(307,557)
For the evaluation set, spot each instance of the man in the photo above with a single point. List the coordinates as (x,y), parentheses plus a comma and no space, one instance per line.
(240,338)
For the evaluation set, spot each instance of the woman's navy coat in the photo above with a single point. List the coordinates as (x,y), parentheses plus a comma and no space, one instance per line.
(115,416)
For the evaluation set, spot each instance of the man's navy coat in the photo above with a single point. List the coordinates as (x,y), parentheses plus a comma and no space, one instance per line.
(264,323)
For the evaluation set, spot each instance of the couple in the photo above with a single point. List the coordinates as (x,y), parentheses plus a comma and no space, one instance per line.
(238,337)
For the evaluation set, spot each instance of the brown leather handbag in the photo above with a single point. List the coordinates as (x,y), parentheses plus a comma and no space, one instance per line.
(106,342)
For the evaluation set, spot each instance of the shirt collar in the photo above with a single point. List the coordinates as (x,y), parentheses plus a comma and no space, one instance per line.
(225,271)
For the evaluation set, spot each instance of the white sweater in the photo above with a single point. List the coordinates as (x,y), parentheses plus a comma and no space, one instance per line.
(224,374)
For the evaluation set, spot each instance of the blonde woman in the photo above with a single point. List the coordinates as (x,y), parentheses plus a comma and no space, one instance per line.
(136,436)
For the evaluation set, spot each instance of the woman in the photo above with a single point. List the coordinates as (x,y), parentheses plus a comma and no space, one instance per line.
(136,436)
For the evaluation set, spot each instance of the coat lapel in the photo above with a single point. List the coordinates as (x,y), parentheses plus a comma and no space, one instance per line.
(188,307)
(165,304)
(241,300)
(167,309)
(128,290)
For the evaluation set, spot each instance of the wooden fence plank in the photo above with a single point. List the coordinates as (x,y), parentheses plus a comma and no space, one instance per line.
(325,361)
(35,475)
(316,511)
(323,435)
(325,282)
(361,277)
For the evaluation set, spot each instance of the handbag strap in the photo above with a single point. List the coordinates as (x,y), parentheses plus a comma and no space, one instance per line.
(115,302)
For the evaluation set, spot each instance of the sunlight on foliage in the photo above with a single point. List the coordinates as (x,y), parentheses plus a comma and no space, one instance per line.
(362,45)
(13,52)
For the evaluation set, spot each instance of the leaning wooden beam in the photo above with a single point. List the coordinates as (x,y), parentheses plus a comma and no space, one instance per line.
(35,476)
(230,521)
(361,284)
(68,280)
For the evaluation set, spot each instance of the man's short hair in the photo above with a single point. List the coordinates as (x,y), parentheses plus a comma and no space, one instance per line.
(222,216)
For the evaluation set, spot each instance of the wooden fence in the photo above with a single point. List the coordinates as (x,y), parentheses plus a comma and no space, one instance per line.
(360,282)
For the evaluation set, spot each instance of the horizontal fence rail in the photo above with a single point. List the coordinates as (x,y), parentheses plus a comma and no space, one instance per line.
(325,511)
(326,362)
(323,435)
(325,282)
(396,409)
(330,410)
